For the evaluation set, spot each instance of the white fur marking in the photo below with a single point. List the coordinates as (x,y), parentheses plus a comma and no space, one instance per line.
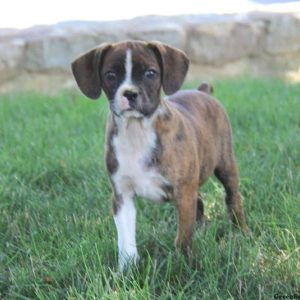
(122,104)
(125,223)
(128,66)
(133,147)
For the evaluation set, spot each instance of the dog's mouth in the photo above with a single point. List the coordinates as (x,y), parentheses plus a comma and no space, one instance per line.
(124,107)
(131,113)
(141,107)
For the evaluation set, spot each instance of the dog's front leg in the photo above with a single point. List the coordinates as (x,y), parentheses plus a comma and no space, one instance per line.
(125,219)
(187,211)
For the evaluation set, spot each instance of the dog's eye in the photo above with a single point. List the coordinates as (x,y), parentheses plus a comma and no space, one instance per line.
(150,74)
(110,76)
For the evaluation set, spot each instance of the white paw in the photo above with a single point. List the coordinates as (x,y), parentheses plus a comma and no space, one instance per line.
(128,259)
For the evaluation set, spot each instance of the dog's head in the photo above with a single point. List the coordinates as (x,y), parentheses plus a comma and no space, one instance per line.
(131,74)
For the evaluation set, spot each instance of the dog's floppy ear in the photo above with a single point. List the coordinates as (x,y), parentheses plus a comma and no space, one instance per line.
(174,65)
(86,70)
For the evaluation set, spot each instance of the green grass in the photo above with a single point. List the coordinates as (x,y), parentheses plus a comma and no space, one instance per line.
(57,237)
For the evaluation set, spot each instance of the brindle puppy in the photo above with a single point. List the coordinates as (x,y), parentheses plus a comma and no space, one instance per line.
(158,148)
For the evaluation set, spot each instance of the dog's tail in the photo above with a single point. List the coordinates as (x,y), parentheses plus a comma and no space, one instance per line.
(206,88)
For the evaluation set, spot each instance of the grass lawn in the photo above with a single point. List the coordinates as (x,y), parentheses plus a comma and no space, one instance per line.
(57,236)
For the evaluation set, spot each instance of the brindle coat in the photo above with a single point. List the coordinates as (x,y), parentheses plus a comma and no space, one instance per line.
(194,139)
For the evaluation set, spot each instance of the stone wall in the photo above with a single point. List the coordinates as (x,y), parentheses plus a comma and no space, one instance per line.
(259,44)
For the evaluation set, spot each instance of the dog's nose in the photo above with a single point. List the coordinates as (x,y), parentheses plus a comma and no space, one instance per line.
(130,95)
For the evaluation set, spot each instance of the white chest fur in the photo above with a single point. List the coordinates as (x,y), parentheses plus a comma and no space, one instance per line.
(133,147)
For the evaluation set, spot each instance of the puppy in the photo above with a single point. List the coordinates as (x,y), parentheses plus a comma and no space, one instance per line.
(158,148)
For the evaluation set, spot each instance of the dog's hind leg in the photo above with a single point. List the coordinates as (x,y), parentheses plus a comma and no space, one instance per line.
(227,173)
(200,209)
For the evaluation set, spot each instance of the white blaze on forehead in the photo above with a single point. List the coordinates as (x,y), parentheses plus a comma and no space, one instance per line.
(128,66)
(121,103)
